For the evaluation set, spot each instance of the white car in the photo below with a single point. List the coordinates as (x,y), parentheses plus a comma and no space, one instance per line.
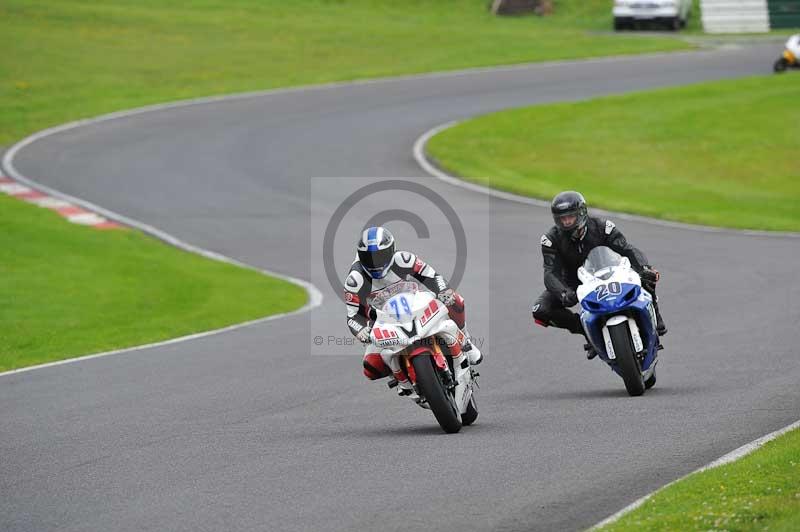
(670,13)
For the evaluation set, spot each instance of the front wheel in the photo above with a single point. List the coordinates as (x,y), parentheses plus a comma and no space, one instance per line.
(439,398)
(626,358)
(780,65)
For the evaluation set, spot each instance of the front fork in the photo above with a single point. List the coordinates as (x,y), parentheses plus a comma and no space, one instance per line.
(458,377)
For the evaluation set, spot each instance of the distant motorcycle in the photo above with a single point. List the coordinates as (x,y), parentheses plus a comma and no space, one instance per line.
(414,326)
(789,59)
(619,318)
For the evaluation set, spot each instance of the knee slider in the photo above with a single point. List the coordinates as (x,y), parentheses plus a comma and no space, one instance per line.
(540,316)
(374,367)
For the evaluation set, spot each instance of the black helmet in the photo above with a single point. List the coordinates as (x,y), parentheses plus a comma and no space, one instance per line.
(569,213)
(376,251)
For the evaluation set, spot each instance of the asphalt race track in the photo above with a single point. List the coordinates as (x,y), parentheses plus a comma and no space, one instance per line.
(259,429)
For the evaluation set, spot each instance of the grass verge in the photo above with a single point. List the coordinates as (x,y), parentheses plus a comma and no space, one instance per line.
(721,153)
(758,492)
(70,59)
(68,290)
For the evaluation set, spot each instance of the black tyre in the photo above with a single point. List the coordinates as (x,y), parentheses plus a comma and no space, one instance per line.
(626,358)
(649,383)
(618,25)
(780,65)
(440,400)
(469,417)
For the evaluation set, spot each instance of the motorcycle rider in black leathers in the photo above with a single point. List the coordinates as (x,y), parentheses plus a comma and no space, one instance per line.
(565,247)
(377,266)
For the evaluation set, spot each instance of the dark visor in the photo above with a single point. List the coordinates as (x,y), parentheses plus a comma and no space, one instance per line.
(375,259)
(558,218)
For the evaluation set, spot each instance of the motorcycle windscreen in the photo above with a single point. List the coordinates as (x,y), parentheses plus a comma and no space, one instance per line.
(601,262)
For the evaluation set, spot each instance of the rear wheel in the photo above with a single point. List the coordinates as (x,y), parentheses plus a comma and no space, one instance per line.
(439,398)
(626,358)
(780,65)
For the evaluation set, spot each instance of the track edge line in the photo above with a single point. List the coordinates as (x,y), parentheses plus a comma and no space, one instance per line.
(732,456)
(432,168)
(313,293)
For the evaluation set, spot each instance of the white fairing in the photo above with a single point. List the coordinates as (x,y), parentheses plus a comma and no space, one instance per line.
(406,314)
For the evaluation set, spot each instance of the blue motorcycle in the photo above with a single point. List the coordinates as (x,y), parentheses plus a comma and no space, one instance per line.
(619,318)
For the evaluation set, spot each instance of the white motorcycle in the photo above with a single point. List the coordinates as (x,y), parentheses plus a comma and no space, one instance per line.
(415,327)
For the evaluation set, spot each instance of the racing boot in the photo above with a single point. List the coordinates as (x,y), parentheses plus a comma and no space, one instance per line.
(474,354)
(404,386)
(590,351)
(661,329)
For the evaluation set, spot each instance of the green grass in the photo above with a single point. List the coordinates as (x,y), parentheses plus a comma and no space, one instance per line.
(759,492)
(722,153)
(68,59)
(68,290)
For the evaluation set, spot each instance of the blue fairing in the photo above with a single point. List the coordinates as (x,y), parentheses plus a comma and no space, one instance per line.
(600,305)
(602,302)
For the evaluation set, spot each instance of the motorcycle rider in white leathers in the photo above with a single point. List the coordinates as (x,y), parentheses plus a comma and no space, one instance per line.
(377,266)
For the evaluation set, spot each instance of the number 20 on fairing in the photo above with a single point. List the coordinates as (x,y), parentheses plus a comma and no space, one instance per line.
(608,291)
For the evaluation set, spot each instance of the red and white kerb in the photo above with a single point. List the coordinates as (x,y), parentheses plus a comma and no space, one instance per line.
(73,213)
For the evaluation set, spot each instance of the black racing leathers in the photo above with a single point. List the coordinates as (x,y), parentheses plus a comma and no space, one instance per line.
(563,255)
(562,258)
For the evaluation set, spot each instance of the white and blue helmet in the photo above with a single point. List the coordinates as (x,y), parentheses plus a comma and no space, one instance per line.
(376,251)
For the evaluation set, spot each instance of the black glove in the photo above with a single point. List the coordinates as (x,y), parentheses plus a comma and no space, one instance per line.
(649,275)
(569,298)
